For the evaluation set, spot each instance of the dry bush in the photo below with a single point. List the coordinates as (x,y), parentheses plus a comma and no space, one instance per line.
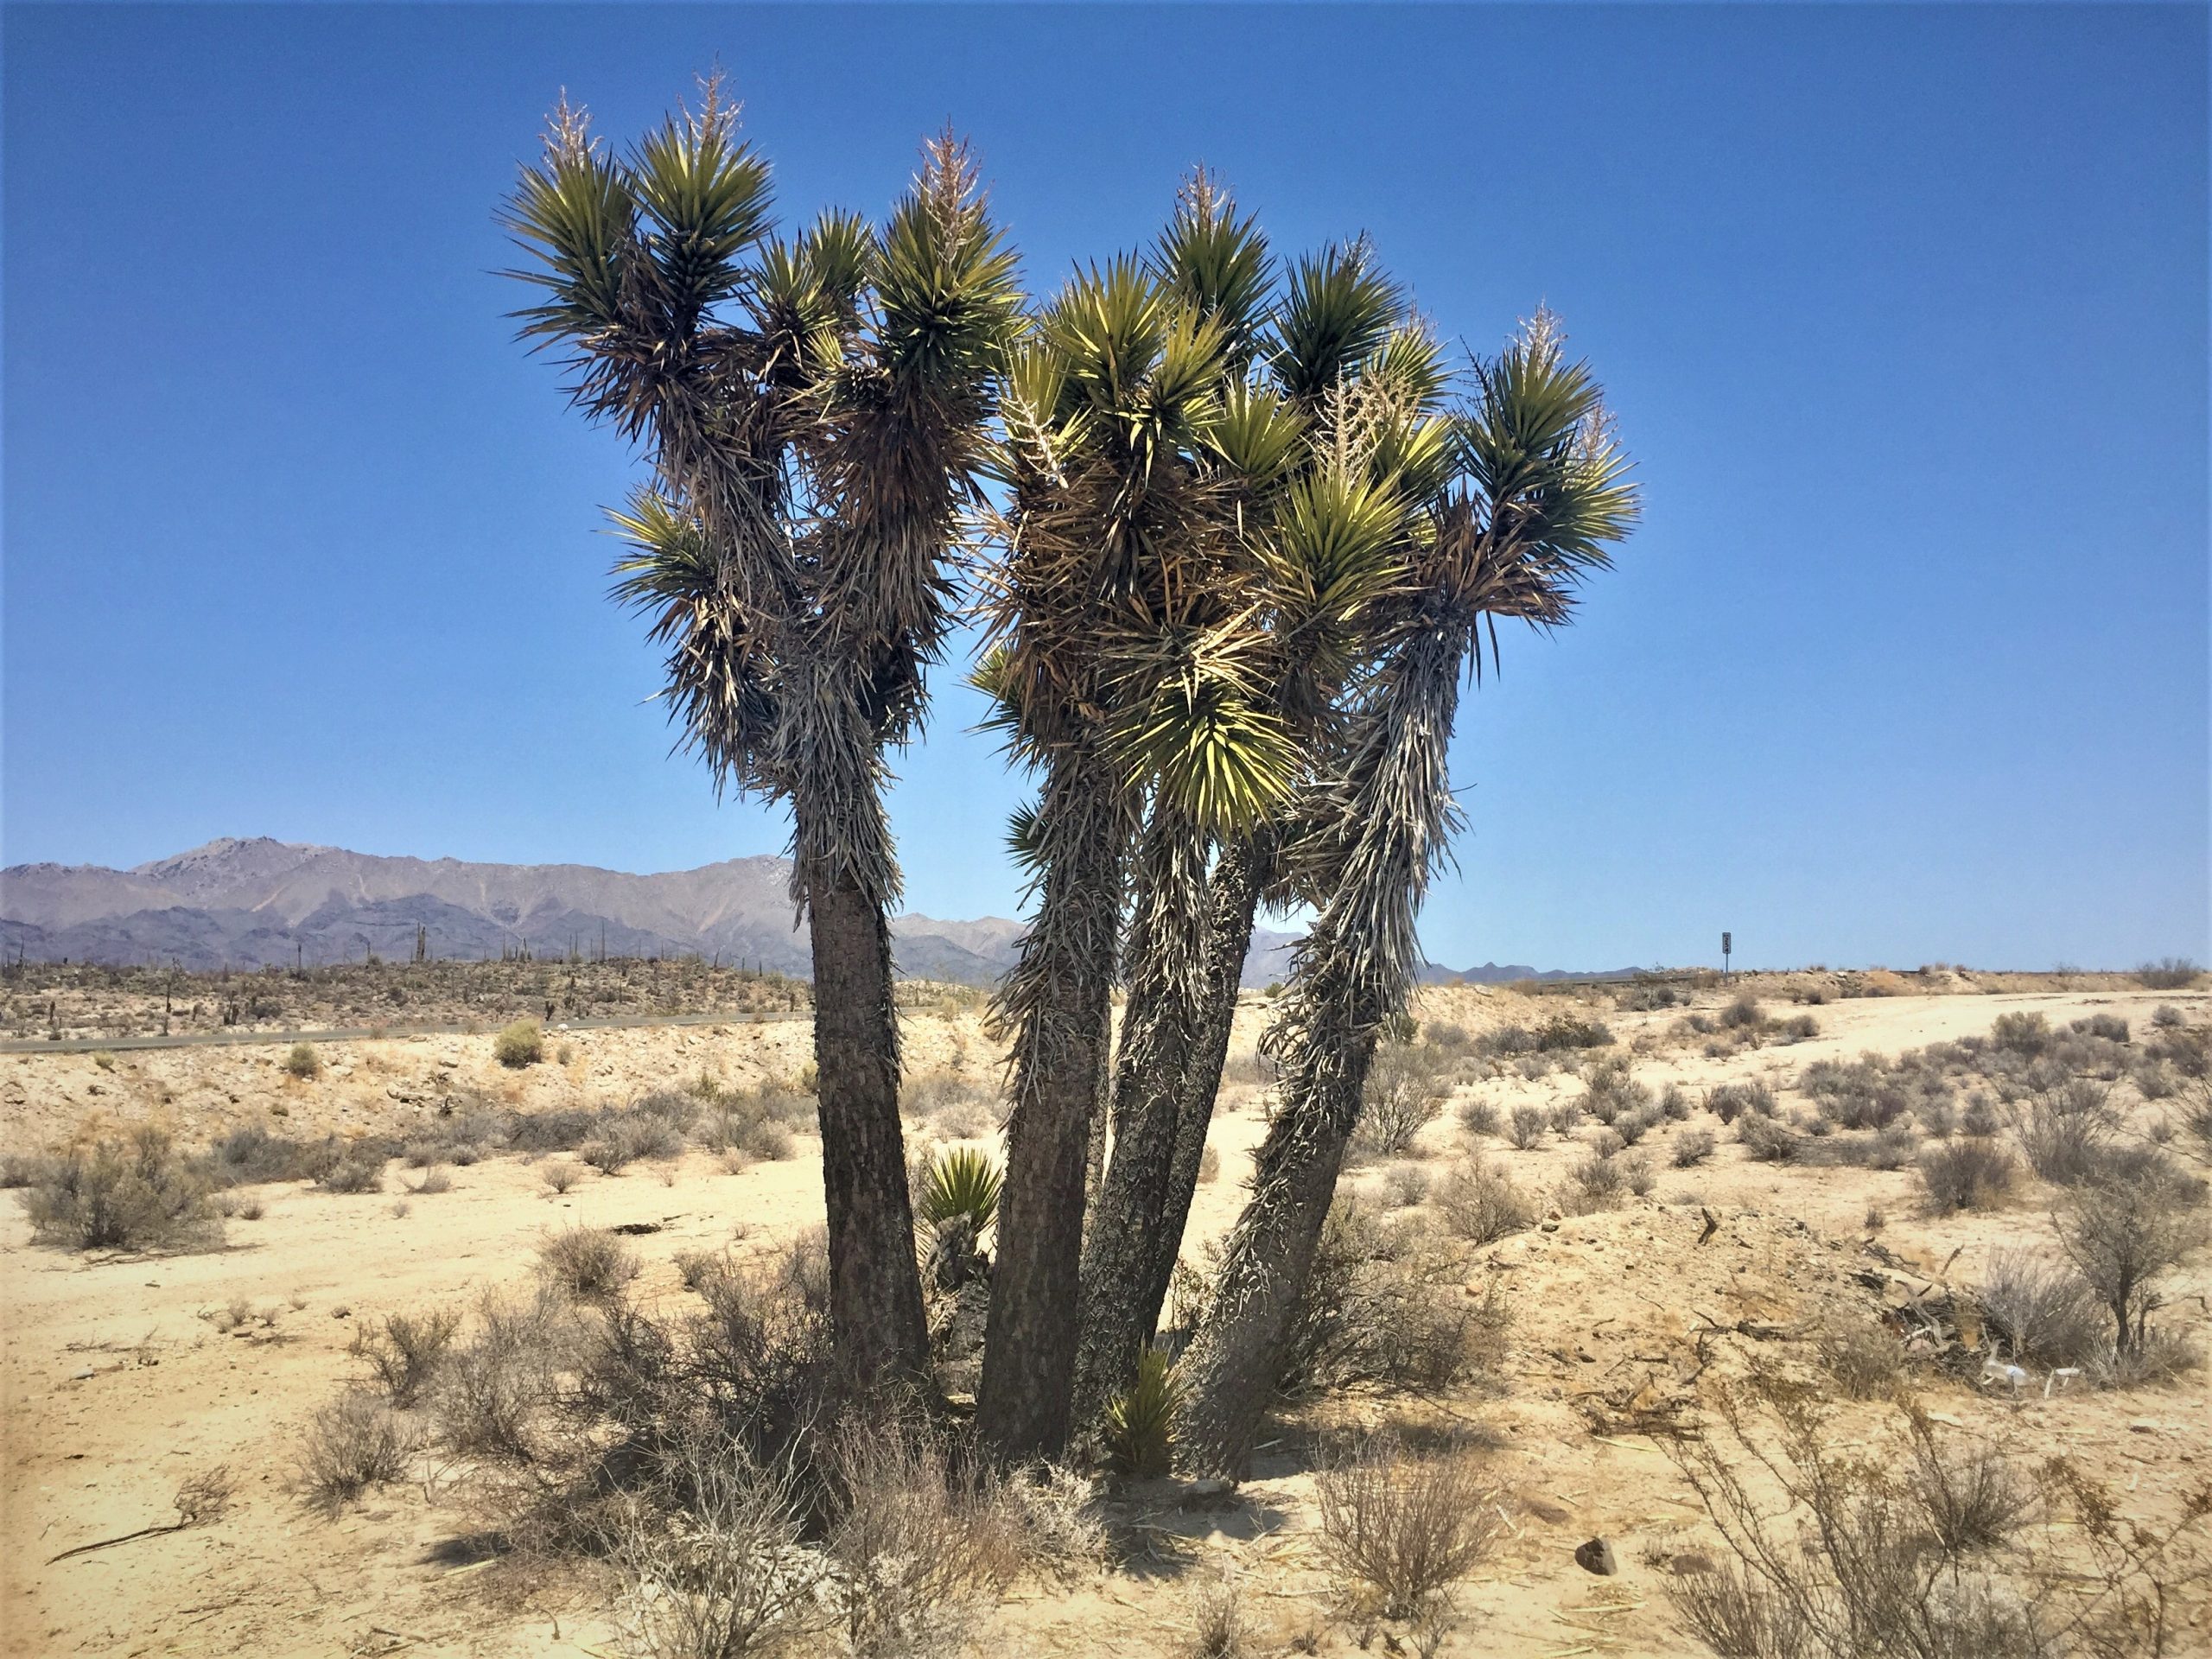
(723,1572)
(1743,1014)
(1406,1086)
(1398,1532)
(1613,1092)
(1632,1127)
(1405,1186)
(919,1545)
(1480,1205)
(1691,1147)
(1209,1165)
(559,1178)
(2037,1312)
(493,1394)
(1594,1183)
(2026,1035)
(588,1262)
(353,1443)
(623,1138)
(1565,1118)
(435,1181)
(1638,1174)
(1055,1516)
(358,1169)
(1968,1173)
(2172,974)
(1766,1142)
(2123,1233)
(1219,1629)
(135,1194)
(1478,1117)
(302,1062)
(1863,1356)
(2066,1129)
(1675,1103)
(1384,1304)
(1928,1554)
(1526,1130)
(1730,1101)
(404,1351)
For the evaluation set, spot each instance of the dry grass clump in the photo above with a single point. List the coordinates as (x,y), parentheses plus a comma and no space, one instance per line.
(302,1063)
(1863,1357)
(135,1194)
(353,1444)
(1400,1531)
(1971,1173)
(1219,1629)
(1929,1552)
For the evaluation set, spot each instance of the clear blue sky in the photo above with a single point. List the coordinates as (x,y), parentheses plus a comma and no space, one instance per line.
(1903,310)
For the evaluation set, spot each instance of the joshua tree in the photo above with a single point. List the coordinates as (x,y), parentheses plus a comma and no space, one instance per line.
(1123,669)
(814,414)
(1540,495)
(1357,374)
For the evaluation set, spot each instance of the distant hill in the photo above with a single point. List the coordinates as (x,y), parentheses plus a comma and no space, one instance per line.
(248,903)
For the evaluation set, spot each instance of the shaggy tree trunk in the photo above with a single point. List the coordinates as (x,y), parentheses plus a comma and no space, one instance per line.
(1229,1371)
(1239,877)
(1058,1000)
(1167,983)
(875,1296)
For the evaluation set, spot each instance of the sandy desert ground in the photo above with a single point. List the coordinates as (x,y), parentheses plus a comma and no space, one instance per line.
(125,1374)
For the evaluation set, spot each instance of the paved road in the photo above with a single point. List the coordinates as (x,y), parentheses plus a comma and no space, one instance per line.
(358,1033)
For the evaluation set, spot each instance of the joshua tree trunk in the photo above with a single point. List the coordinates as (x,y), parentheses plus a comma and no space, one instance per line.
(1389,818)
(1058,1000)
(875,1297)
(1167,958)
(1240,874)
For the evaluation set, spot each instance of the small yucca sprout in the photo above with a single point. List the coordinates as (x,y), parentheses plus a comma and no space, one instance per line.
(1137,1423)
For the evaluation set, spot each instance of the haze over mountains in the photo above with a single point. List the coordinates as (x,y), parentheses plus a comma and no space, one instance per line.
(249,903)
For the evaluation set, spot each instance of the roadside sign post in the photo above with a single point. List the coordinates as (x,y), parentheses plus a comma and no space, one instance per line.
(1727,944)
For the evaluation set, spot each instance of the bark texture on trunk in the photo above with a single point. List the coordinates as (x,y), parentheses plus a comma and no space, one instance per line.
(1229,1371)
(1167,954)
(1058,999)
(875,1295)
(1240,876)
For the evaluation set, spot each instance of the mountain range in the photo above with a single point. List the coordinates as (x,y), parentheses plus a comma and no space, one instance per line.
(249,903)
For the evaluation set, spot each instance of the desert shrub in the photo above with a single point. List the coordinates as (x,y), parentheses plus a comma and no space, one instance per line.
(559,1178)
(2108,1027)
(1632,1127)
(1766,1142)
(1979,1117)
(21,1169)
(1691,1147)
(1136,1431)
(2026,1035)
(1219,1629)
(2123,1232)
(1594,1183)
(919,1545)
(588,1262)
(2166,1017)
(250,1154)
(2065,1130)
(1730,1101)
(2172,974)
(358,1169)
(435,1181)
(1967,1173)
(726,1573)
(1210,1166)
(519,1045)
(679,1109)
(2188,1050)
(1405,1186)
(353,1444)
(1860,1094)
(1675,1103)
(1862,1357)
(1399,1531)
(404,1351)
(2151,1079)
(1644,999)
(1563,1031)
(302,1062)
(135,1194)
(1916,1554)
(1638,1174)
(1384,1304)
(1506,1040)
(1405,1089)
(2036,1312)
(1798,1028)
(1532,1068)
(1480,1205)
(1564,1118)
(1478,1117)
(624,1138)
(1526,1129)
(1743,1014)
(558,1129)
(495,1394)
